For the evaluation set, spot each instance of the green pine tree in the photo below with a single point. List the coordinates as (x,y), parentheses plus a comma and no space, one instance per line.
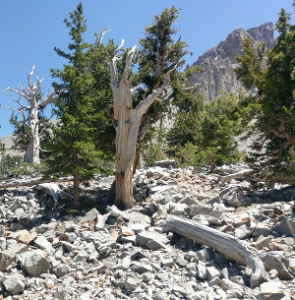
(158,53)
(73,145)
(271,71)
(211,129)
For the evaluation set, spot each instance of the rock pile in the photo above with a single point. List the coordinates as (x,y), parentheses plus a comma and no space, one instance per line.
(126,255)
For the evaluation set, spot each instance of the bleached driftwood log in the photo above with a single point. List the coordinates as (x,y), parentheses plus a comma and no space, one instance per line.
(222,242)
(31,121)
(127,121)
(259,172)
(53,190)
(239,174)
(30,182)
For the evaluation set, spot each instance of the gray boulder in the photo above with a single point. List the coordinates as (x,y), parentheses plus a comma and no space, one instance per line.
(42,243)
(276,260)
(61,270)
(14,284)
(6,258)
(230,197)
(286,227)
(33,263)
(151,237)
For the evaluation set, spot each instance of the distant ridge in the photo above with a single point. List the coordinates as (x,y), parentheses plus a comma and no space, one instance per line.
(219,61)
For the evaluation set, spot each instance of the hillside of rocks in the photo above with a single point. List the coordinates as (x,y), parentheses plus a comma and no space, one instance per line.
(47,253)
(219,61)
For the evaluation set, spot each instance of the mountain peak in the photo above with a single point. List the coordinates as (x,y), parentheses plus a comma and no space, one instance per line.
(219,60)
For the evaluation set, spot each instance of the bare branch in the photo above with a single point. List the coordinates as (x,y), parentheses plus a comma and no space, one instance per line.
(29,78)
(119,48)
(113,67)
(18,101)
(128,63)
(50,98)
(281,132)
(100,36)
(157,54)
(19,111)
(25,95)
(44,150)
(34,88)
(191,87)
(145,104)
(136,88)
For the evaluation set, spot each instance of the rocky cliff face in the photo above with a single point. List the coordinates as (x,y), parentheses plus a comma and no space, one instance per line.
(219,61)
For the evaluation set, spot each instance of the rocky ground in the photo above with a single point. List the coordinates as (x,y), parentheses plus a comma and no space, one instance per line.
(125,255)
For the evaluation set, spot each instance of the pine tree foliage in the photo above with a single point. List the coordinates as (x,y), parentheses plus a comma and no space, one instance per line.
(158,54)
(81,119)
(271,71)
(211,129)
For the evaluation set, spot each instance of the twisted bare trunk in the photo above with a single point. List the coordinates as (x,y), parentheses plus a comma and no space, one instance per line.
(127,122)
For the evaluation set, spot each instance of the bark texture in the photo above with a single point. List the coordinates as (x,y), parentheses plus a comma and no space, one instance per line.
(127,121)
(36,104)
(230,246)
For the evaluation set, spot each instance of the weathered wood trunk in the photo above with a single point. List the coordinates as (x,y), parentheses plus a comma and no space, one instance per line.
(127,122)
(33,148)
(222,242)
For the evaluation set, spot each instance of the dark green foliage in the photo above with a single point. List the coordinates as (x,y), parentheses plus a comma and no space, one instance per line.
(212,129)
(104,135)
(152,154)
(73,145)
(186,126)
(185,155)
(158,54)
(9,164)
(271,71)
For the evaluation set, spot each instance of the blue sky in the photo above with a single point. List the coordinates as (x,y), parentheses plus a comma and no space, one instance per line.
(30,29)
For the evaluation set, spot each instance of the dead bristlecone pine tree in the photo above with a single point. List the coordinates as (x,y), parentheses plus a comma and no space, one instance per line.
(127,121)
(30,113)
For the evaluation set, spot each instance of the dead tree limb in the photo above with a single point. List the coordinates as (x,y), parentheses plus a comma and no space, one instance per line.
(31,182)
(239,174)
(222,242)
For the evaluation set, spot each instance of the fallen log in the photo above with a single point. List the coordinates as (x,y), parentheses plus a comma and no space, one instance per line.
(222,242)
(285,174)
(32,181)
(239,174)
